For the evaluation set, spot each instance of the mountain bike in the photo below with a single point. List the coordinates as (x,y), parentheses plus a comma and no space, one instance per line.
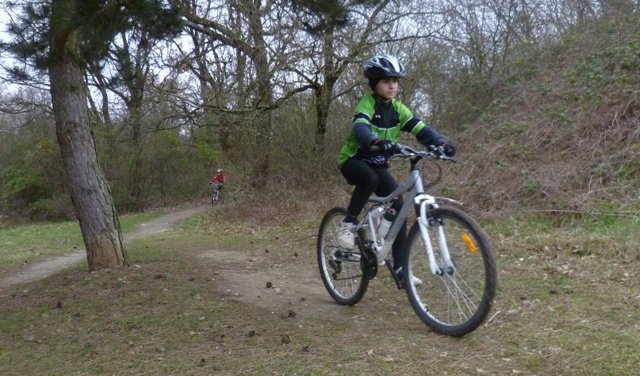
(447,252)
(216,194)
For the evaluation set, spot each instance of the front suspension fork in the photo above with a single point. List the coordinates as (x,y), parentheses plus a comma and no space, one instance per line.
(427,202)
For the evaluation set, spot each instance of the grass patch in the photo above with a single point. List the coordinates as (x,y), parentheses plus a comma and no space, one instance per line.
(30,243)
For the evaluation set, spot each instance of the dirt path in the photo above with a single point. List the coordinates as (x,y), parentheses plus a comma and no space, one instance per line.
(245,274)
(274,283)
(48,267)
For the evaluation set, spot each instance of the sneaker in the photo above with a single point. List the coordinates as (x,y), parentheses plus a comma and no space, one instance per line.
(346,236)
(416,281)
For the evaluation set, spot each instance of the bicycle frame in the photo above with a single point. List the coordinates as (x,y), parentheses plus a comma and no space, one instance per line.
(422,202)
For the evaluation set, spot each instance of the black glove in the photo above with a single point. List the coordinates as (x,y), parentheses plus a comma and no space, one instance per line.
(448,150)
(386,147)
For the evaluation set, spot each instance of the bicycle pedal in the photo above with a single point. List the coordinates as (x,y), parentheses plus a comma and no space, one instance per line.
(368,261)
(370,271)
(396,278)
(335,265)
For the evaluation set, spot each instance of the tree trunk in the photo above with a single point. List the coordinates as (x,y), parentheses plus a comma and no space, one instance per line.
(324,92)
(136,170)
(265,93)
(90,191)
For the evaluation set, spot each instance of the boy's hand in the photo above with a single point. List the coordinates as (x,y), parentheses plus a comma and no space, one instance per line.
(448,150)
(386,147)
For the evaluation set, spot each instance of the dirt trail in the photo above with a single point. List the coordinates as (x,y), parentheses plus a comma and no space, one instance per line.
(48,267)
(271,283)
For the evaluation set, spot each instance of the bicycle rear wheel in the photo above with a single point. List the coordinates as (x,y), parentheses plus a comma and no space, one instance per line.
(457,301)
(340,268)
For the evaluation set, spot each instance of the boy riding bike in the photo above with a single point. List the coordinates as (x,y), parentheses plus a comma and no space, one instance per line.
(377,122)
(217,181)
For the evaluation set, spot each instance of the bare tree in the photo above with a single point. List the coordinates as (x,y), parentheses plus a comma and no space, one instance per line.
(326,24)
(129,61)
(248,42)
(349,31)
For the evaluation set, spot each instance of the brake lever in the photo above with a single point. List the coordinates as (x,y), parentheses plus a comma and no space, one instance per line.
(438,153)
(406,151)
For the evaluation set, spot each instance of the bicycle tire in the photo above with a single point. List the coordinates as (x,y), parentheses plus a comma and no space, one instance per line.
(216,198)
(458,302)
(340,268)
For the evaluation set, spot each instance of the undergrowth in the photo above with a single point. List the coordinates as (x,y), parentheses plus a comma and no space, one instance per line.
(563,130)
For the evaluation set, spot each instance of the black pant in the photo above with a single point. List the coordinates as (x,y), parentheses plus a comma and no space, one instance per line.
(367,180)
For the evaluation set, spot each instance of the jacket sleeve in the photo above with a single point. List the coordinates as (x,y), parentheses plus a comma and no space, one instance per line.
(425,134)
(362,123)
(363,134)
(429,136)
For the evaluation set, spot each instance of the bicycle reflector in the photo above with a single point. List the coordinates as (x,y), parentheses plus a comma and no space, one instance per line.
(467,240)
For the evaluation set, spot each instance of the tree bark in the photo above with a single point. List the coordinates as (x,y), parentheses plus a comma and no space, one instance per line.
(90,192)
(265,93)
(324,92)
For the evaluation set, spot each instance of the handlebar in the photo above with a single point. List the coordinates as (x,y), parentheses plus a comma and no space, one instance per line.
(415,156)
(406,151)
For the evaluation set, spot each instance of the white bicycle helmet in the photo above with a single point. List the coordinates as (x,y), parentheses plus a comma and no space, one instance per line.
(383,66)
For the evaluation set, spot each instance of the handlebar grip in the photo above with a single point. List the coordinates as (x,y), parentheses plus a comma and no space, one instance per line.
(376,149)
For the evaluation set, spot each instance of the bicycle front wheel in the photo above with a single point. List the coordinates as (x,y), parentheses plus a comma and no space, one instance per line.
(454,301)
(340,268)
(216,197)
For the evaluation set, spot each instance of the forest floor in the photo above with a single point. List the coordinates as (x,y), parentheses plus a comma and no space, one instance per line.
(227,291)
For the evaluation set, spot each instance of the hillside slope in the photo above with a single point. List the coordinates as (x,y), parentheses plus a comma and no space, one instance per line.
(563,134)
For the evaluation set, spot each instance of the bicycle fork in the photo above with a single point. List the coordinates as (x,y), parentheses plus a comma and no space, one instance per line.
(426,201)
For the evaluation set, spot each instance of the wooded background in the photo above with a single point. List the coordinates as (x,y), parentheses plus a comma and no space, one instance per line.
(541,98)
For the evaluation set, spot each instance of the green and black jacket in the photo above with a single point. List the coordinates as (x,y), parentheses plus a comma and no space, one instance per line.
(375,119)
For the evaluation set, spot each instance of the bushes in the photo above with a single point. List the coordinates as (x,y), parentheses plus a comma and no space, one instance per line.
(23,188)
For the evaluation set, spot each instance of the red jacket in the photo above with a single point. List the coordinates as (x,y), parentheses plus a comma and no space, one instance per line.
(218,178)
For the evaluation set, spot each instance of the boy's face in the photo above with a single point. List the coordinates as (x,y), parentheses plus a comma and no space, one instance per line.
(387,88)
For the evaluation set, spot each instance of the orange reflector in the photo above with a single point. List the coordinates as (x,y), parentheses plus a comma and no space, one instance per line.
(467,240)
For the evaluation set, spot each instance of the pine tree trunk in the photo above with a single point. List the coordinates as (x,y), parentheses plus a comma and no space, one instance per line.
(90,191)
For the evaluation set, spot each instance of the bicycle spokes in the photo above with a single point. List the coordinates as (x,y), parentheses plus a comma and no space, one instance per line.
(463,297)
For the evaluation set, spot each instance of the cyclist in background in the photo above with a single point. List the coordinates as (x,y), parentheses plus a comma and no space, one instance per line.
(378,119)
(217,181)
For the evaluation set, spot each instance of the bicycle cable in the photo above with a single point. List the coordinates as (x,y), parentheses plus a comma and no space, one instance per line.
(438,175)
